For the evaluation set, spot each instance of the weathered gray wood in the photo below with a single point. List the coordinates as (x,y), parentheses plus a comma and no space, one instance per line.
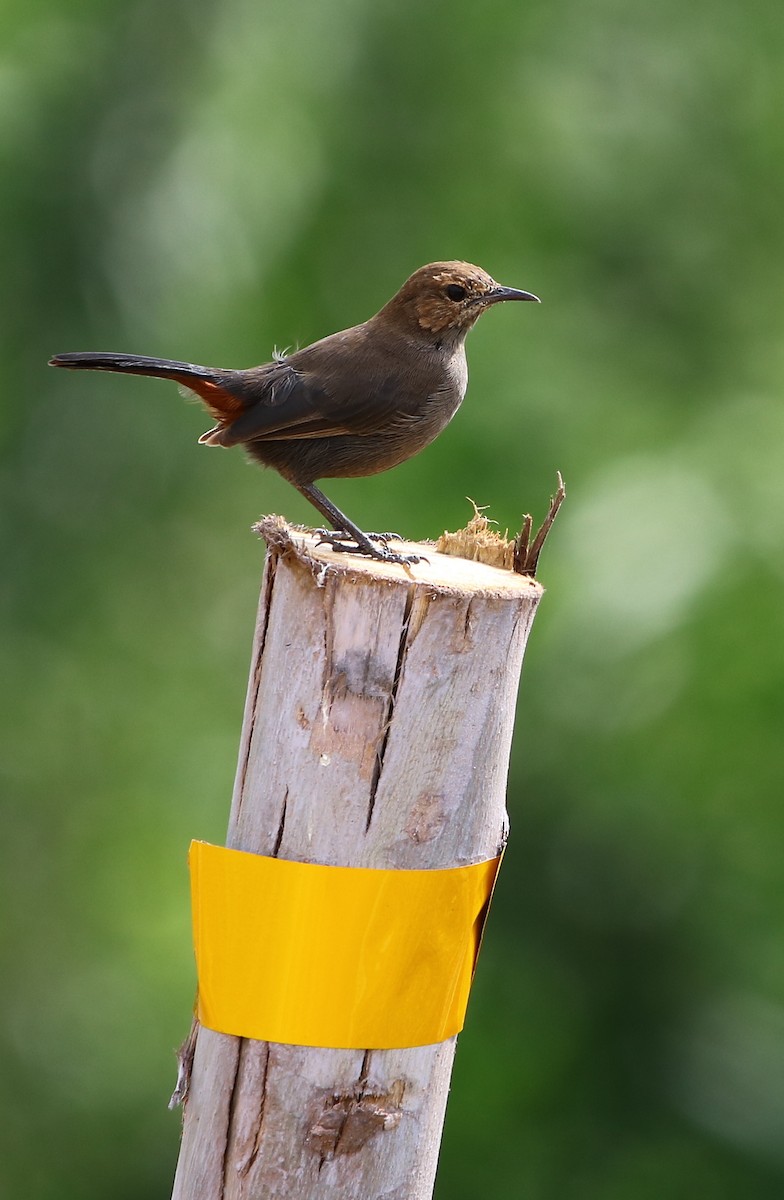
(377,733)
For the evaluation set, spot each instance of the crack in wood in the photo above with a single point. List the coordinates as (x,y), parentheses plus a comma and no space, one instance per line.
(253,690)
(279,835)
(329,644)
(252,1060)
(228,1141)
(387,726)
(245,1164)
(359,1095)
(467,622)
(364,1072)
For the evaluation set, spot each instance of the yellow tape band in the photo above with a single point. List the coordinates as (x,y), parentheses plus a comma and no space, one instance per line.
(334,956)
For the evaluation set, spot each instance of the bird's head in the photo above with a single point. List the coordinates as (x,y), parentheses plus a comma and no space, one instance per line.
(441,301)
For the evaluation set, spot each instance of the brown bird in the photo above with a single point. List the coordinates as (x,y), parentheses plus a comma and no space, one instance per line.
(352,404)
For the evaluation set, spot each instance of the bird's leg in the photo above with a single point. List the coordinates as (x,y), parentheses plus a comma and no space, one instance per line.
(362,542)
(340,521)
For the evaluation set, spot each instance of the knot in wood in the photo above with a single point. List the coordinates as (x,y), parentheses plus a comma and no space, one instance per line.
(349,1120)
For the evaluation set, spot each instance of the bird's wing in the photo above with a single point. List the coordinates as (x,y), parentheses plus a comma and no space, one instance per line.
(325,390)
(277,402)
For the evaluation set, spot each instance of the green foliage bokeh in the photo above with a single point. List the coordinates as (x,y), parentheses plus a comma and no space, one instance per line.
(205,179)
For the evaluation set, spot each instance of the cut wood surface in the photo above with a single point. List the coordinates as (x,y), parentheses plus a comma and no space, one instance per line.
(377,733)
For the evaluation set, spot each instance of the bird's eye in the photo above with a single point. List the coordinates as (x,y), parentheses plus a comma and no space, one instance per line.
(455,292)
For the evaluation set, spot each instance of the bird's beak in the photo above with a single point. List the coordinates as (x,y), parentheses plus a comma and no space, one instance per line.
(505,293)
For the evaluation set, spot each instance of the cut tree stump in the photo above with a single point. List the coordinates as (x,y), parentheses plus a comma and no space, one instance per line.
(377,733)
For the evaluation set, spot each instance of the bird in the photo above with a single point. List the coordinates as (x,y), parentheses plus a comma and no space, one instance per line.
(352,404)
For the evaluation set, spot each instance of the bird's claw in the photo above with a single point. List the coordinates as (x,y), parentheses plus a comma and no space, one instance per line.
(384,537)
(405,560)
(337,542)
(329,537)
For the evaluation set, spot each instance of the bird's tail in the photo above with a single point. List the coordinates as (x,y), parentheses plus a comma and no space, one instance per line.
(210,384)
(131,364)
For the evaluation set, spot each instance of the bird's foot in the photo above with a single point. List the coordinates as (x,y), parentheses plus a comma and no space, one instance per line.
(343,543)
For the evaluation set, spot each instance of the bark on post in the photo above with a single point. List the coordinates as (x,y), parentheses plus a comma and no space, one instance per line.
(377,732)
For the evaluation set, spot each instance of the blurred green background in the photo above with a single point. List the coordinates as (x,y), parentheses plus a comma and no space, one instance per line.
(205,179)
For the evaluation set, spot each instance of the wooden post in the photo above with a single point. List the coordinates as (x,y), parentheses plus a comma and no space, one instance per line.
(377,733)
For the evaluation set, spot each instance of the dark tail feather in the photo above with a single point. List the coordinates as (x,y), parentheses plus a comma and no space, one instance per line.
(131,364)
(213,385)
